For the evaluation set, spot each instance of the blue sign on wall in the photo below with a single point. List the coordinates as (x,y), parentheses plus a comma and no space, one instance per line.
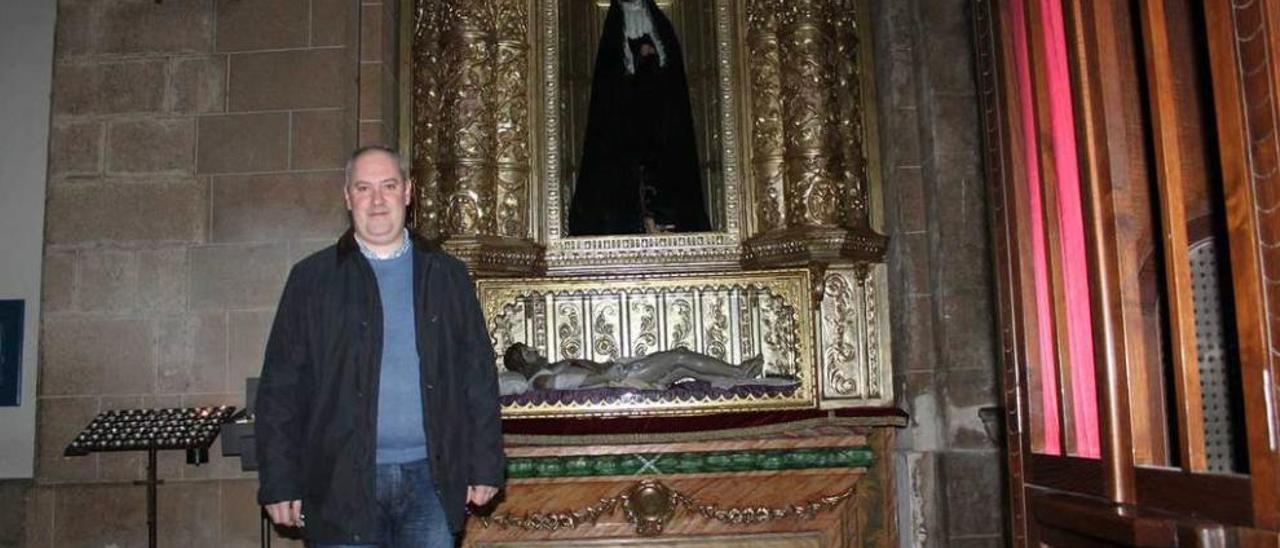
(11,316)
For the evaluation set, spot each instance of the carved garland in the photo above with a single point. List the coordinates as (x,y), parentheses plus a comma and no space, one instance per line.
(650,505)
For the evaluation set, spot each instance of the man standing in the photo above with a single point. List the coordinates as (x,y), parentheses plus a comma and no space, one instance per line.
(377,410)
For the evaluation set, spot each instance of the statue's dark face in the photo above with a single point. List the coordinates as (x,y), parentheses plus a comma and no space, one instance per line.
(531,357)
(523,359)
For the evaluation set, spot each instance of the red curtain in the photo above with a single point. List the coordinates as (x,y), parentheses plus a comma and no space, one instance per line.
(1046,368)
(1071,238)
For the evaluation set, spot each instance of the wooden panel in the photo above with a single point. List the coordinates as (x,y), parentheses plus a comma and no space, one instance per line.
(1073,474)
(750,490)
(1243,40)
(1216,497)
(1071,520)
(1136,227)
(1171,176)
(1096,68)
(812,539)
(1053,230)
(864,518)
(1023,170)
(1003,164)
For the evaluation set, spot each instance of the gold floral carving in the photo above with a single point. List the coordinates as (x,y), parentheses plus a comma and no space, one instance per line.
(841,346)
(471,139)
(650,505)
(605,339)
(682,327)
(570,332)
(779,334)
(646,334)
(717,331)
(767,120)
(852,330)
(809,145)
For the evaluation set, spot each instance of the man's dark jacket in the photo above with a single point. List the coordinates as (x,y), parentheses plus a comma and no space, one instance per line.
(318,395)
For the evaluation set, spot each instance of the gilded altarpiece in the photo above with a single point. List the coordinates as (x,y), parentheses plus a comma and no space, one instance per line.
(793,271)
(793,130)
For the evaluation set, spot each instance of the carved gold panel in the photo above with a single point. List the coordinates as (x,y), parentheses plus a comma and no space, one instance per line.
(853,338)
(731,316)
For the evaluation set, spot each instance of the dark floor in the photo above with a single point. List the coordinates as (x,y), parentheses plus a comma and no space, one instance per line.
(13,511)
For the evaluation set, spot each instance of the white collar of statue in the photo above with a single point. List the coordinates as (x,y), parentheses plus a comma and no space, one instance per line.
(635,18)
(370,254)
(637,22)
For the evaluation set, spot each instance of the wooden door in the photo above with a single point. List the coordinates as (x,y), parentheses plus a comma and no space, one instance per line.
(1132,156)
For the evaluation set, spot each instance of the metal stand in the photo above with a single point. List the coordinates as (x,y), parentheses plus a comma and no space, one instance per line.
(151,482)
(152,430)
(266,530)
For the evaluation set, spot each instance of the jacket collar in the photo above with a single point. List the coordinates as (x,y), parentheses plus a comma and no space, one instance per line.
(348,246)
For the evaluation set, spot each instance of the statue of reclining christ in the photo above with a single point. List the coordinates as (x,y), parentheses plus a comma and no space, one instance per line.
(527,370)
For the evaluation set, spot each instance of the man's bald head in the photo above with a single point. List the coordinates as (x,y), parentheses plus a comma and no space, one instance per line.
(396,158)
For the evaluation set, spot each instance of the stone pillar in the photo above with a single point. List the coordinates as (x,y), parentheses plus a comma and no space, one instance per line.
(948,472)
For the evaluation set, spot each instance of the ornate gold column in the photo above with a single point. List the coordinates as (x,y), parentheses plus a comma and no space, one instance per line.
(471,132)
(809,153)
(767,147)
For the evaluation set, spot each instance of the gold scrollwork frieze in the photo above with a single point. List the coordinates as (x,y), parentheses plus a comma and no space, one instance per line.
(853,356)
(650,505)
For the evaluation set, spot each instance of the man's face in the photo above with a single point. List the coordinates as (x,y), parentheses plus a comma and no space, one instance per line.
(377,196)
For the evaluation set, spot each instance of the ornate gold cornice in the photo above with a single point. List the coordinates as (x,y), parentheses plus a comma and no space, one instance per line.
(812,244)
(489,256)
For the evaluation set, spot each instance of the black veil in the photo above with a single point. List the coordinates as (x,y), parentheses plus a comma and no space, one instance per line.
(639,156)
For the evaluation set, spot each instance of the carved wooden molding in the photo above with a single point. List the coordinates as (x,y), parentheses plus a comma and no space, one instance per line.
(650,505)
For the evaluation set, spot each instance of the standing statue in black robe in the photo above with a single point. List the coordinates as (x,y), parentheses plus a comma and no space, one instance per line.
(639,171)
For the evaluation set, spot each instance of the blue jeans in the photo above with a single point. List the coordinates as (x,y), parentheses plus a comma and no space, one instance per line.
(409,512)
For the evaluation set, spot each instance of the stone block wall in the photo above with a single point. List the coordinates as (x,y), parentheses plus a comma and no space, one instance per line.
(379,71)
(949,474)
(196,152)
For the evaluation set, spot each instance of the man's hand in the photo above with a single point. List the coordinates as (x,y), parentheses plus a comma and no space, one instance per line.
(479,495)
(288,513)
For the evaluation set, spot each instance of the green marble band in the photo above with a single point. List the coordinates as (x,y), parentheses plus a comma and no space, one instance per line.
(688,463)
